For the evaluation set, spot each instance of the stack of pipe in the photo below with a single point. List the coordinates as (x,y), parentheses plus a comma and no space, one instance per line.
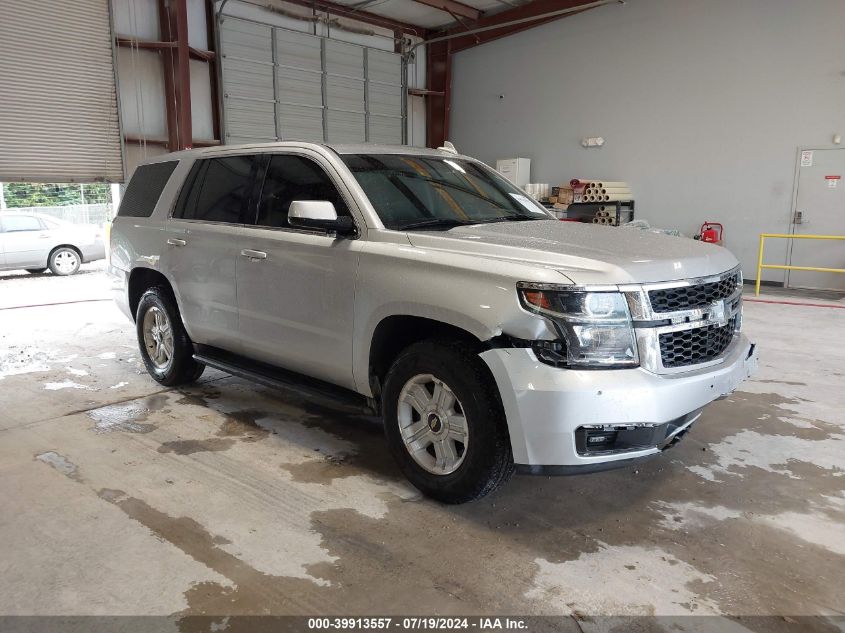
(600,190)
(605,215)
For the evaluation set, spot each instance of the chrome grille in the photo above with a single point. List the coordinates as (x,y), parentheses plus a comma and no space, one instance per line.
(692,297)
(695,346)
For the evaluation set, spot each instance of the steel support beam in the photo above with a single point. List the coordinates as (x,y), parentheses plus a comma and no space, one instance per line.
(213,70)
(351,13)
(438,100)
(153,45)
(173,22)
(535,8)
(453,8)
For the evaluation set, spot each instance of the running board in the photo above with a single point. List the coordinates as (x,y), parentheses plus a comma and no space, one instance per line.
(278,378)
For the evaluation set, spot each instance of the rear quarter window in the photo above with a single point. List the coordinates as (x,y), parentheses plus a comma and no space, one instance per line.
(145,189)
(217,190)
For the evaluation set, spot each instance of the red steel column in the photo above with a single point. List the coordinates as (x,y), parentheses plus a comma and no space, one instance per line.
(438,101)
(213,69)
(173,21)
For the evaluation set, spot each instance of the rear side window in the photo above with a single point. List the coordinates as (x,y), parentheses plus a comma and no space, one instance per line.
(145,189)
(217,190)
(18,223)
(290,178)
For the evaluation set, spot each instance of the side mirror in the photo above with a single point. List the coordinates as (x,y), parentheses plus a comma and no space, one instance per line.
(319,214)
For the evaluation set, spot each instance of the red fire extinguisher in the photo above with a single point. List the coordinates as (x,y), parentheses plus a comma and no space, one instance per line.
(710,232)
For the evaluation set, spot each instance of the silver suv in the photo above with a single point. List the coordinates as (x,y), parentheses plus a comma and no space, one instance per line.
(488,335)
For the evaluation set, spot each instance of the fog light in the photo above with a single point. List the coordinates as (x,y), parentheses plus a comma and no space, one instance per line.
(600,438)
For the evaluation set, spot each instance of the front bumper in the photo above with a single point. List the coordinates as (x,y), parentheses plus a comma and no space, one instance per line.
(545,405)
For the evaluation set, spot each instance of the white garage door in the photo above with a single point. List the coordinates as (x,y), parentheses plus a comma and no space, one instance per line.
(58,105)
(281,84)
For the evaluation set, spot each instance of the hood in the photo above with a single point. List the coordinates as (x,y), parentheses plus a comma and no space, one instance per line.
(586,253)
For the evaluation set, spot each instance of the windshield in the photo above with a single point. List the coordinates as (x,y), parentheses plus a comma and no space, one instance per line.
(410,192)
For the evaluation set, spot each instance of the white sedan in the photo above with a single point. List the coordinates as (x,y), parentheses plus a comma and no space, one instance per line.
(37,242)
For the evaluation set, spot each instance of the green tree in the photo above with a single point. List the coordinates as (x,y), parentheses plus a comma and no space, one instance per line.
(24,194)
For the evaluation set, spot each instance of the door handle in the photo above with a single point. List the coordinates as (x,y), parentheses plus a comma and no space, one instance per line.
(254,254)
(43,237)
(175,241)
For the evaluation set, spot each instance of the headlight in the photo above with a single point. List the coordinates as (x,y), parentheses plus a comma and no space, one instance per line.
(595,327)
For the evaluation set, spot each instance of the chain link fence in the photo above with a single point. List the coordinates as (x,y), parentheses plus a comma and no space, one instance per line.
(73,203)
(97,214)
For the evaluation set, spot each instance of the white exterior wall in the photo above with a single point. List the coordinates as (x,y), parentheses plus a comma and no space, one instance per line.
(703,105)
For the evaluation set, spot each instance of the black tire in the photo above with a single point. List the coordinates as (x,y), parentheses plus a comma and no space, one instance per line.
(181,367)
(65,261)
(487,458)
(35,271)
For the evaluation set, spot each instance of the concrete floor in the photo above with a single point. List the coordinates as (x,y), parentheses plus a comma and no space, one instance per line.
(120,497)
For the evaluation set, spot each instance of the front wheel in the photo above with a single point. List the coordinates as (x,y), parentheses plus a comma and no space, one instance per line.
(444,422)
(166,349)
(64,261)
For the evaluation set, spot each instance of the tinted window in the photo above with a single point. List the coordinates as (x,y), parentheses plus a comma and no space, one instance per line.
(411,189)
(291,178)
(145,189)
(190,190)
(217,190)
(15,223)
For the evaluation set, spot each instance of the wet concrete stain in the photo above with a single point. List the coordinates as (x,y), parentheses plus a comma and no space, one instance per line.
(785,382)
(237,426)
(60,463)
(560,519)
(189,447)
(746,407)
(183,532)
(370,456)
(253,592)
(456,557)
(198,395)
(244,425)
(727,420)
(192,400)
(379,559)
(129,417)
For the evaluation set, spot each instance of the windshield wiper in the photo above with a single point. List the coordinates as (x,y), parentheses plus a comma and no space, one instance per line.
(433,223)
(511,218)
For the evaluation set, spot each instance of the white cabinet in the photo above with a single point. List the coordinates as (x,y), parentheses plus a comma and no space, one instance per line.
(517,170)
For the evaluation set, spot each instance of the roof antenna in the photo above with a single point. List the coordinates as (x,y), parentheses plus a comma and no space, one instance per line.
(447,147)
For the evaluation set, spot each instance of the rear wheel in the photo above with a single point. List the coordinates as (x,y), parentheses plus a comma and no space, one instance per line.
(444,422)
(64,261)
(166,349)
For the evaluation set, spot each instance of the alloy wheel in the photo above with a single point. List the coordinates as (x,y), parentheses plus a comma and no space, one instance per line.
(158,338)
(432,424)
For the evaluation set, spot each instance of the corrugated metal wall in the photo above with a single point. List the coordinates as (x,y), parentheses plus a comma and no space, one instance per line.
(284,84)
(58,104)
